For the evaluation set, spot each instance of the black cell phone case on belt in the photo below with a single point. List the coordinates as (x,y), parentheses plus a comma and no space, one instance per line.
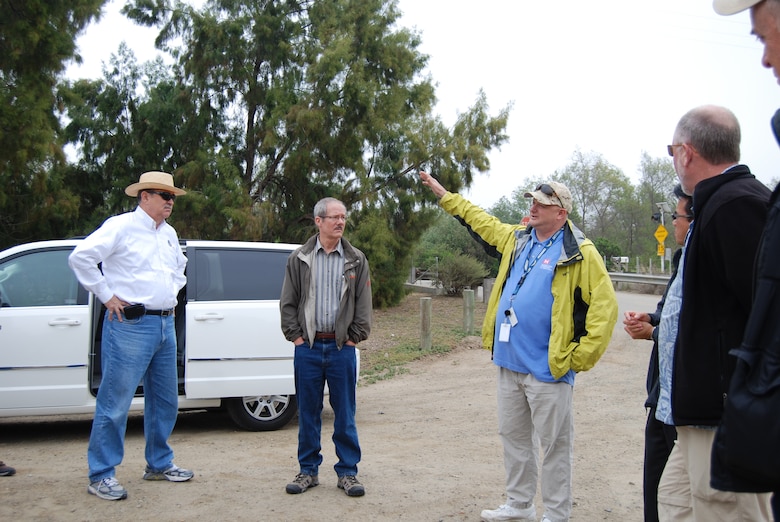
(134,311)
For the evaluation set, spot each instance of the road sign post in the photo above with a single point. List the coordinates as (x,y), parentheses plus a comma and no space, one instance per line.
(660,234)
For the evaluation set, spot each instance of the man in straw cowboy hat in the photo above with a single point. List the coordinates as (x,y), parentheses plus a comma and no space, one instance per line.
(142,273)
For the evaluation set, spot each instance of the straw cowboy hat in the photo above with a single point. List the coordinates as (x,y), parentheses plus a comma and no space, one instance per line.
(730,7)
(154,180)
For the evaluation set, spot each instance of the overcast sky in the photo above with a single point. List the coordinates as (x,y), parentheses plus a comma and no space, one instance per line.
(611,77)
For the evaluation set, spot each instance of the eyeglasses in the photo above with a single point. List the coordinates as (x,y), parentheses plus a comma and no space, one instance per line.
(547,190)
(167,196)
(675,215)
(336,218)
(670,148)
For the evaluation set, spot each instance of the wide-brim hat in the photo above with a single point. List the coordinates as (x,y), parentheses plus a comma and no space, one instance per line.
(730,7)
(561,195)
(154,180)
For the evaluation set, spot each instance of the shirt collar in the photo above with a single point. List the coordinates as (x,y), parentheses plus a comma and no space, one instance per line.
(338,249)
(145,219)
(554,237)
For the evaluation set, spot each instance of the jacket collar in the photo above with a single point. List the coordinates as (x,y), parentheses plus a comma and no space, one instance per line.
(706,188)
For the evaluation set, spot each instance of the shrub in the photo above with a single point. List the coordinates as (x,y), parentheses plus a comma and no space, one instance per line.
(460,271)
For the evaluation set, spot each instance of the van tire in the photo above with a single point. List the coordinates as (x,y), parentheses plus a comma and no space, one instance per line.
(262,412)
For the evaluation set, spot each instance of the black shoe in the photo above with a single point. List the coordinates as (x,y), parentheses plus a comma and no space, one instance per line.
(301,483)
(6,471)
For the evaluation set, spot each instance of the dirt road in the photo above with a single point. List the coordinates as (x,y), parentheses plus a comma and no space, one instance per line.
(430,453)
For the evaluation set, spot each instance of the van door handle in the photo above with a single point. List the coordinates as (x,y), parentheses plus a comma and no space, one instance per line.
(209,317)
(64,322)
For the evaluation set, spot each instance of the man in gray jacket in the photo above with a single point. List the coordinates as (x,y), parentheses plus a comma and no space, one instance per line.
(326,310)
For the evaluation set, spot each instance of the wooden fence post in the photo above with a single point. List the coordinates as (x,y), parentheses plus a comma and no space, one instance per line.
(426,336)
(468,311)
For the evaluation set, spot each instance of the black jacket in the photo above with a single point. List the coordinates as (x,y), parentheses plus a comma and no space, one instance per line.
(745,446)
(731,211)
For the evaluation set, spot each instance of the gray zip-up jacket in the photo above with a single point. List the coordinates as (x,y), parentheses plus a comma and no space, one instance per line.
(296,303)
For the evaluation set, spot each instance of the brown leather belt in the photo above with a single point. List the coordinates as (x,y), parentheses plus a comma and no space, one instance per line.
(325,335)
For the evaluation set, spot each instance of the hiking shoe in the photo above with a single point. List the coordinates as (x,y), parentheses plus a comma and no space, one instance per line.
(351,486)
(173,474)
(506,513)
(301,483)
(108,489)
(6,471)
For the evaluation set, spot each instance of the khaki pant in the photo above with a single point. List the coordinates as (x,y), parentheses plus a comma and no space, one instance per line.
(684,493)
(531,414)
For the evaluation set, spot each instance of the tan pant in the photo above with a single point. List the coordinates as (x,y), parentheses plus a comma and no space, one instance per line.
(531,414)
(684,493)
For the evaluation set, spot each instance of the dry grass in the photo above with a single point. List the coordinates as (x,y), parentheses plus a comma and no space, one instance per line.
(395,335)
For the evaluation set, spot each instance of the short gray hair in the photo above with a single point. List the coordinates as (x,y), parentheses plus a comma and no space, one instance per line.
(321,208)
(713,131)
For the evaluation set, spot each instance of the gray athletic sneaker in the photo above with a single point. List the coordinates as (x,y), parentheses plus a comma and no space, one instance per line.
(108,489)
(351,486)
(301,483)
(173,474)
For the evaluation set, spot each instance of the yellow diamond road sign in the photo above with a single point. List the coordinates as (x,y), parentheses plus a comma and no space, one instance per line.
(660,233)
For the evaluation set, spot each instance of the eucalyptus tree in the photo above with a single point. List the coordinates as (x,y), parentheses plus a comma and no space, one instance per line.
(597,187)
(514,208)
(140,117)
(37,41)
(320,98)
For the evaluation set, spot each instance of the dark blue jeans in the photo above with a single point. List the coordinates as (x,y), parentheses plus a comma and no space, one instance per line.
(314,366)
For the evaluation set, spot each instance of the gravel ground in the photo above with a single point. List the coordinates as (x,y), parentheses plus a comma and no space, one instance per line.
(430,452)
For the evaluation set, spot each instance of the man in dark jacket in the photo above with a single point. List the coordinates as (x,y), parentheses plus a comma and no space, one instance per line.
(706,311)
(747,436)
(326,311)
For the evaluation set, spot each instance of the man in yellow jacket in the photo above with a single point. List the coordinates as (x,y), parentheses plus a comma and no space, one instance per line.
(551,315)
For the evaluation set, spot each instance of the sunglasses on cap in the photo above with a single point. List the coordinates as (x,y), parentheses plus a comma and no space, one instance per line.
(167,196)
(547,190)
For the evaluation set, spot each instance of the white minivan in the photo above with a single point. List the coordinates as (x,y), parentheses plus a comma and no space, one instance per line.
(231,351)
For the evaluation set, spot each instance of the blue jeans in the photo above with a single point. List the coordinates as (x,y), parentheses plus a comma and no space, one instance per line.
(135,349)
(313,367)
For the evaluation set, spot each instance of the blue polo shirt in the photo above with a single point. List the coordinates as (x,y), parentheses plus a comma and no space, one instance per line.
(526,350)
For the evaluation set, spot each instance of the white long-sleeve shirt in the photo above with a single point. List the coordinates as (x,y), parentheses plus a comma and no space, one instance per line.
(142,263)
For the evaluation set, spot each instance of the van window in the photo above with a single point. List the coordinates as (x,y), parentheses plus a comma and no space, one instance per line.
(238,275)
(40,278)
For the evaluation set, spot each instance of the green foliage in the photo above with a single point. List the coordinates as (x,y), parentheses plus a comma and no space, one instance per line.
(596,188)
(460,271)
(37,40)
(274,105)
(515,209)
(269,107)
(381,247)
(656,185)
(608,249)
(446,238)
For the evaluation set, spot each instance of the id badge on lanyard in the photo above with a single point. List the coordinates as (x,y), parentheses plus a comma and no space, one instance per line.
(506,326)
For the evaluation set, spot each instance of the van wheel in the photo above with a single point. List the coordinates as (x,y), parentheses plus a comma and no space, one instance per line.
(262,412)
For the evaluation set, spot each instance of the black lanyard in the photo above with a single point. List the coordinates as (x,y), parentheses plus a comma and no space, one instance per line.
(528,266)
